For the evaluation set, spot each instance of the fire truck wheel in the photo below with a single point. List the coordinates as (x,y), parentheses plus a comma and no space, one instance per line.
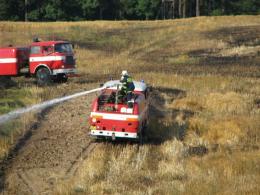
(43,77)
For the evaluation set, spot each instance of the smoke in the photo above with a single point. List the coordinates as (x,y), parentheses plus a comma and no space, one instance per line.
(15,114)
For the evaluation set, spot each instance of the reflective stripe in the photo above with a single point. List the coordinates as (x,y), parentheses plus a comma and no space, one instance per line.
(8,60)
(47,58)
(64,71)
(110,133)
(119,117)
(132,119)
(129,79)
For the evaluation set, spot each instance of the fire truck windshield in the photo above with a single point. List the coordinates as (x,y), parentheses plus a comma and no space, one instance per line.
(63,48)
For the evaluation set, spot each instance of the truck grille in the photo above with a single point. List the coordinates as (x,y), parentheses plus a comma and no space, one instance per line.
(70,60)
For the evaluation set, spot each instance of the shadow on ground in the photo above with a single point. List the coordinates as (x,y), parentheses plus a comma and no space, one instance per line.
(163,125)
(169,123)
(6,82)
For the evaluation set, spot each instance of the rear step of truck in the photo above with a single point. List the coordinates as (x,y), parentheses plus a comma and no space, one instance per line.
(24,70)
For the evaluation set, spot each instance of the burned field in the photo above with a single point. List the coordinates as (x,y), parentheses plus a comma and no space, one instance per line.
(203,133)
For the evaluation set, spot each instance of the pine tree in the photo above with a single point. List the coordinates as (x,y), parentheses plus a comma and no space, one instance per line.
(127,9)
(90,8)
(146,9)
(4,10)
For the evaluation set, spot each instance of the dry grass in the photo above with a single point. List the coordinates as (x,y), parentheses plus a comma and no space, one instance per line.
(24,94)
(205,133)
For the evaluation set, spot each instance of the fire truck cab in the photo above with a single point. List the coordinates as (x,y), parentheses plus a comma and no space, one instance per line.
(47,61)
(113,118)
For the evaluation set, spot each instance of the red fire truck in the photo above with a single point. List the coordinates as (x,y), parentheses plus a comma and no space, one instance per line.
(113,118)
(47,61)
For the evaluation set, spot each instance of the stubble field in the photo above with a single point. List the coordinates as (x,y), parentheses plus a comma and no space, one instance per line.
(204,132)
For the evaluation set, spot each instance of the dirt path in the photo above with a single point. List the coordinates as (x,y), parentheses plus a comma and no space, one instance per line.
(54,149)
(57,145)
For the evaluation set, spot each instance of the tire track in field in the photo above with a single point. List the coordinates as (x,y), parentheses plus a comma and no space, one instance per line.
(54,151)
(72,170)
(24,178)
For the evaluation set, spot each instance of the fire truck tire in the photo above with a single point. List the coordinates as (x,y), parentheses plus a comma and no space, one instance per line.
(43,77)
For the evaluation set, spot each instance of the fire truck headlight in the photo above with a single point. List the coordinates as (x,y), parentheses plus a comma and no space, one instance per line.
(62,66)
(94,120)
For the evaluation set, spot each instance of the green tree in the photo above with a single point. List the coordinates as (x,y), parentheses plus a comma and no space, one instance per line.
(53,10)
(35,10)
(12,10)
(109,10)
(72,10)
(244,7)
(127,9)
(89,8)
(4,9)
(147,9)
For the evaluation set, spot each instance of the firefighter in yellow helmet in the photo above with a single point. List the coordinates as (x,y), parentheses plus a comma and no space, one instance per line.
(127,86)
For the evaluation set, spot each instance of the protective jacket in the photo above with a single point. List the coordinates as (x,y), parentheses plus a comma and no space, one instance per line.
(127,84)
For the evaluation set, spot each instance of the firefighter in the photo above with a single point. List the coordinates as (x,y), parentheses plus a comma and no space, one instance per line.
(127,86)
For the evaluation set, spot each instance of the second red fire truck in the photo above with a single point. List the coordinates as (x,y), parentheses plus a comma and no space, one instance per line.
(113,118)
(47,61)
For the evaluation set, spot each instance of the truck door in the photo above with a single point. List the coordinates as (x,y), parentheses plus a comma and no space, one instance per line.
(35,57)
(23,58)
(41,55)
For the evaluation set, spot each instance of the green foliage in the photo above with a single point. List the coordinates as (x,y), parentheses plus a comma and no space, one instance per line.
(245,7)
(72,10)
(89,8)
(216,12)
(146,9)
(127,9)
(11,10)
(3,10)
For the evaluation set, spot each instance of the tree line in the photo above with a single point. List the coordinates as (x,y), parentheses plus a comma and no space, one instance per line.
(76,10)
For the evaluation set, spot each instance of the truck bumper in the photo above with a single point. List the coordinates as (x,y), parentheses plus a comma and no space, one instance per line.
(69,71)
(102,133)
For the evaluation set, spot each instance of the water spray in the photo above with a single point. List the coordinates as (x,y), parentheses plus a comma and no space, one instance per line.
(15,114)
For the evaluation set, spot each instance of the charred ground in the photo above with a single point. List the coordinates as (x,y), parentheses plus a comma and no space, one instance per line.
(203,135)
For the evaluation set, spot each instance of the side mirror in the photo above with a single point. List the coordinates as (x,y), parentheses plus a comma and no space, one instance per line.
(101,85)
